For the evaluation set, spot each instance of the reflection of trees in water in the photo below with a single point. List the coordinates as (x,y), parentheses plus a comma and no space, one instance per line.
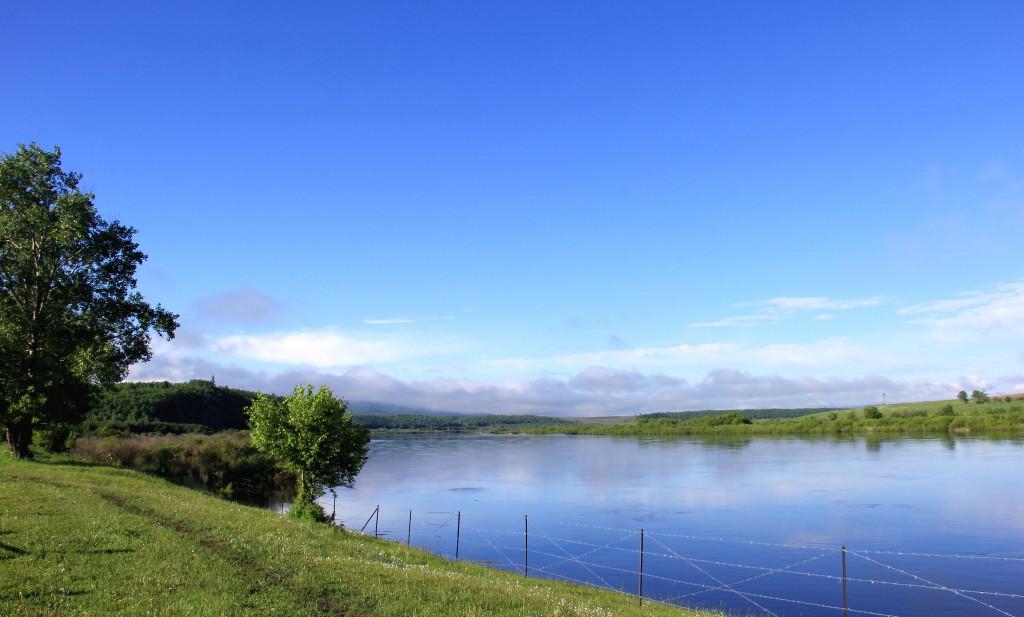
(726,444)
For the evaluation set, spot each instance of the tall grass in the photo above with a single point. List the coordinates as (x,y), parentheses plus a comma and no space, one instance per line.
(225,463)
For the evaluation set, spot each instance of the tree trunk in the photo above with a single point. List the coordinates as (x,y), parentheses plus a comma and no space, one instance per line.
(19,437)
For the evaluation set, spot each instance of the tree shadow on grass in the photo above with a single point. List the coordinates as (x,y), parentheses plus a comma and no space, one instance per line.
(11,549)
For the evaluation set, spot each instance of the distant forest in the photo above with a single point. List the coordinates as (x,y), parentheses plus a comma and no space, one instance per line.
(196,406)
(753,414)
(408,423)
(201,406)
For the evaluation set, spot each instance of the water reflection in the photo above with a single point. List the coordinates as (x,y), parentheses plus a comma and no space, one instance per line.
(896,494)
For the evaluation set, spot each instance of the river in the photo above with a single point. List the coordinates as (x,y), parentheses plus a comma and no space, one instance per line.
(930,526)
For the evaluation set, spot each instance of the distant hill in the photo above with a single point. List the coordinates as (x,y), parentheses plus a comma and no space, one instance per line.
(601,419)
(753,414)
(422,423)
(194,403)
(201,406)
(363,408)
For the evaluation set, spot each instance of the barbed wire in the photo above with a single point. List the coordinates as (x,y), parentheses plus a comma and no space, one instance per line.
(722,584)
(576,559)
(689,537)
(939,555)
(937,586)
(565,548)
(648,533)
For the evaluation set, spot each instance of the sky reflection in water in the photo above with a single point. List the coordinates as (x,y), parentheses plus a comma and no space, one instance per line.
(909,495)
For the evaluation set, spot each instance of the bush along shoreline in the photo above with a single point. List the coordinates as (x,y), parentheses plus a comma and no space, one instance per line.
(225,464)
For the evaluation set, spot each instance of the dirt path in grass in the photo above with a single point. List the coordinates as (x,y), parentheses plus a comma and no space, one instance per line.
(320,604)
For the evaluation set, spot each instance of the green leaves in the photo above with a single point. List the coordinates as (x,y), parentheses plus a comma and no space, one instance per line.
(313,435)
(70,320)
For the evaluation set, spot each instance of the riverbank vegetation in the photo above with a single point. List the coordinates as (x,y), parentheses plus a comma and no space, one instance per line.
(999,415)
(89,540)
(225,464)
(753,414)
(201,406)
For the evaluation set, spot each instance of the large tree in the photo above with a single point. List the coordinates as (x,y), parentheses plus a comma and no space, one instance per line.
(71,321)
(313,435)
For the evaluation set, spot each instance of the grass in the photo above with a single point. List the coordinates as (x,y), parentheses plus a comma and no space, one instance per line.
(89,540)
(1000,417)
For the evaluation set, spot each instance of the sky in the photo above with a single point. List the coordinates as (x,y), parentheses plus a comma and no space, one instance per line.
(566,208)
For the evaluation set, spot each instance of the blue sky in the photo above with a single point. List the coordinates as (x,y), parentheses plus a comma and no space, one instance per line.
(570,208)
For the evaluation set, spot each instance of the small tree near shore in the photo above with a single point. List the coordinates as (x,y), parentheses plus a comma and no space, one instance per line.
(313,435)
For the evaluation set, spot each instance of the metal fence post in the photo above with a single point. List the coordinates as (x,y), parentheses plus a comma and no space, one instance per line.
(375,513)
(640,593)
(526,545)
(846,610)
(458,533)
(408,537)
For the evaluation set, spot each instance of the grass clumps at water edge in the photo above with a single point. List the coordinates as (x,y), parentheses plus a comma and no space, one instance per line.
(90,540)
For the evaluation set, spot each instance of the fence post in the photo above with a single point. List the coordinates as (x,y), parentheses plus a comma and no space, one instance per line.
(526,545)
(458,533)
(376,512)
(845,607)
(376,523)
(640,593)
(408,538)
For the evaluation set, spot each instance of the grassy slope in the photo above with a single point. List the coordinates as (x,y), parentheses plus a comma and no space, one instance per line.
(78,540)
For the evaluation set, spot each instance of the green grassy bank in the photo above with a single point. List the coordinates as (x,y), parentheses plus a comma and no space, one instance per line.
(1003,417)
(91,540)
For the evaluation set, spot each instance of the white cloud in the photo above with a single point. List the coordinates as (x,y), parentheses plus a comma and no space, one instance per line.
(594,391)
(398,320)
(788,306)
(626,381)
(831,352)
(741,321)
(966,301)
(997,312)
(325,348)
(782,308)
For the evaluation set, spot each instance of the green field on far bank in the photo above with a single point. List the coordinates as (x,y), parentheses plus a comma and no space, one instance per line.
(88,540)
(998,415)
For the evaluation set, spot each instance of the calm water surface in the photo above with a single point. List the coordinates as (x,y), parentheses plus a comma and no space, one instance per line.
(749,525)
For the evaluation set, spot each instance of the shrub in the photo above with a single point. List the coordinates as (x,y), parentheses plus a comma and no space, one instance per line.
(55,438)
(224,463)
(872,413)
(728,419)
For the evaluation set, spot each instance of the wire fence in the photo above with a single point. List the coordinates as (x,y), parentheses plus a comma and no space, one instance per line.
(781,580)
